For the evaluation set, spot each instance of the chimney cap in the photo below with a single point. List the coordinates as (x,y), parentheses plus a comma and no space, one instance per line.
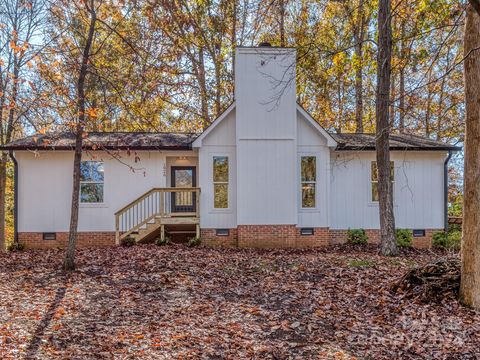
(264,44)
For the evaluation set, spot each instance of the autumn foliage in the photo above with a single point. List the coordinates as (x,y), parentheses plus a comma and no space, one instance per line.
(173,301)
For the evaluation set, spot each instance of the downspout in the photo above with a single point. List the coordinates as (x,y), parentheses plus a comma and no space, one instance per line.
(15,197)
(445,191)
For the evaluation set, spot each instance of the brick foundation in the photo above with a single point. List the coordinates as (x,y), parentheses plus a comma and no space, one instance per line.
(288,236)
(425,242)
(280,236)
(34,240)
(209,238)
(245,236)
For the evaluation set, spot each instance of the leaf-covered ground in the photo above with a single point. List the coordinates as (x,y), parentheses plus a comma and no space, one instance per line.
(176,302)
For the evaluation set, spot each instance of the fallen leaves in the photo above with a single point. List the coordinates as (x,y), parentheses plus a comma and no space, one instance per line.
(178,302)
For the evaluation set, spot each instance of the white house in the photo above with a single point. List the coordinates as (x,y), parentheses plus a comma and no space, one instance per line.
(264,174)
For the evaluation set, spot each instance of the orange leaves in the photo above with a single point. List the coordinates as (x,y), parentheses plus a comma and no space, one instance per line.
(59,313)
(18,48)
(92,113)
(253,310)
(174,302)
(27,4)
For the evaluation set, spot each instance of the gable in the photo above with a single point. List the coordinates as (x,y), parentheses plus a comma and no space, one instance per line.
(310,133)
(224,133)
(307,135)
(229,116)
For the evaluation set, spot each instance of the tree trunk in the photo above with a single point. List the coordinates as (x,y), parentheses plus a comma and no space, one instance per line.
(234,37)
(401,104)
(4,159)
(281,10)
(470,282)
(428,110)
(385,189)
(358,38)
(72,237)
(401,90)
(3,183)
(440,108)
(203,88)
(392,102)
(218,84)
(4,139)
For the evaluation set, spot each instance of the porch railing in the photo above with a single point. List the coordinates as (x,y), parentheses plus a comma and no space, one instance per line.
(156,203)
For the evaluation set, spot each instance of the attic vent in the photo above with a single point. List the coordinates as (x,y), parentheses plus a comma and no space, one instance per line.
(265,44)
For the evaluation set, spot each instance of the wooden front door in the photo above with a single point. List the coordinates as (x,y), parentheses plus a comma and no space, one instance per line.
(183,177)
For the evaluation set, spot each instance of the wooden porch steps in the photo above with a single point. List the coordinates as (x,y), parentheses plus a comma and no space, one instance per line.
(147,216)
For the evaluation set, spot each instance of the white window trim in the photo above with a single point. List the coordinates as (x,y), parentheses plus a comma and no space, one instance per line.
(93,204)
(228,209)
(308,209)
(370,182)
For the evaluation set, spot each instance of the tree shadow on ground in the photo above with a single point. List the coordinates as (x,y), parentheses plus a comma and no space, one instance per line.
(36,339)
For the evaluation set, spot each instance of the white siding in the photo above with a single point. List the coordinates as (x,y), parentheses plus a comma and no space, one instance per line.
(311,143)
(418,190)
(45,183)
(221,141)
(265,93)
(266,136)
(267,182)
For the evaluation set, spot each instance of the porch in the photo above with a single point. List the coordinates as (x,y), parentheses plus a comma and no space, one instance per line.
(158,212)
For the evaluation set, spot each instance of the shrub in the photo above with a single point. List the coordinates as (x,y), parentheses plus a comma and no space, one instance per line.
(451,240)
(357,236)
(194,241)
(455,239)
(160,242)
(15,246)
(128,241)
(440,239)
(404,237)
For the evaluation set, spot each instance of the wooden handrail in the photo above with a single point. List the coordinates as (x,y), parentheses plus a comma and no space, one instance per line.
(148,213)
(172,189)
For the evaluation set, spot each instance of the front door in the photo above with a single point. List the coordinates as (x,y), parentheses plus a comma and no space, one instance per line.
(183,177)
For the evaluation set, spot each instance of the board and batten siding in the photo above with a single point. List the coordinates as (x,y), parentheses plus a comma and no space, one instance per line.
(220,141)
(266,136)
(311,143)
(45,183)
(418,190)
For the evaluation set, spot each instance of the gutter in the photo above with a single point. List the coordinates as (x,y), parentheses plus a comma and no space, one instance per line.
(15,197)
(445,191)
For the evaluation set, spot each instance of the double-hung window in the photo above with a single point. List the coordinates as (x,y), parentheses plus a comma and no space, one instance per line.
(374,178)
(308,171)
(220,182)
(91,182)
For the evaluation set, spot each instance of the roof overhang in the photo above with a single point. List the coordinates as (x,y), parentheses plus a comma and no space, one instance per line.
(95,148)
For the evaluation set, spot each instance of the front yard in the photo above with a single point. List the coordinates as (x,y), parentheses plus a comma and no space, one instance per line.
(177,302)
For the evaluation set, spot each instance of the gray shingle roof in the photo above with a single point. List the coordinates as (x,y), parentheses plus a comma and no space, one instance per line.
(366,142)
(106,140)
(183,141)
